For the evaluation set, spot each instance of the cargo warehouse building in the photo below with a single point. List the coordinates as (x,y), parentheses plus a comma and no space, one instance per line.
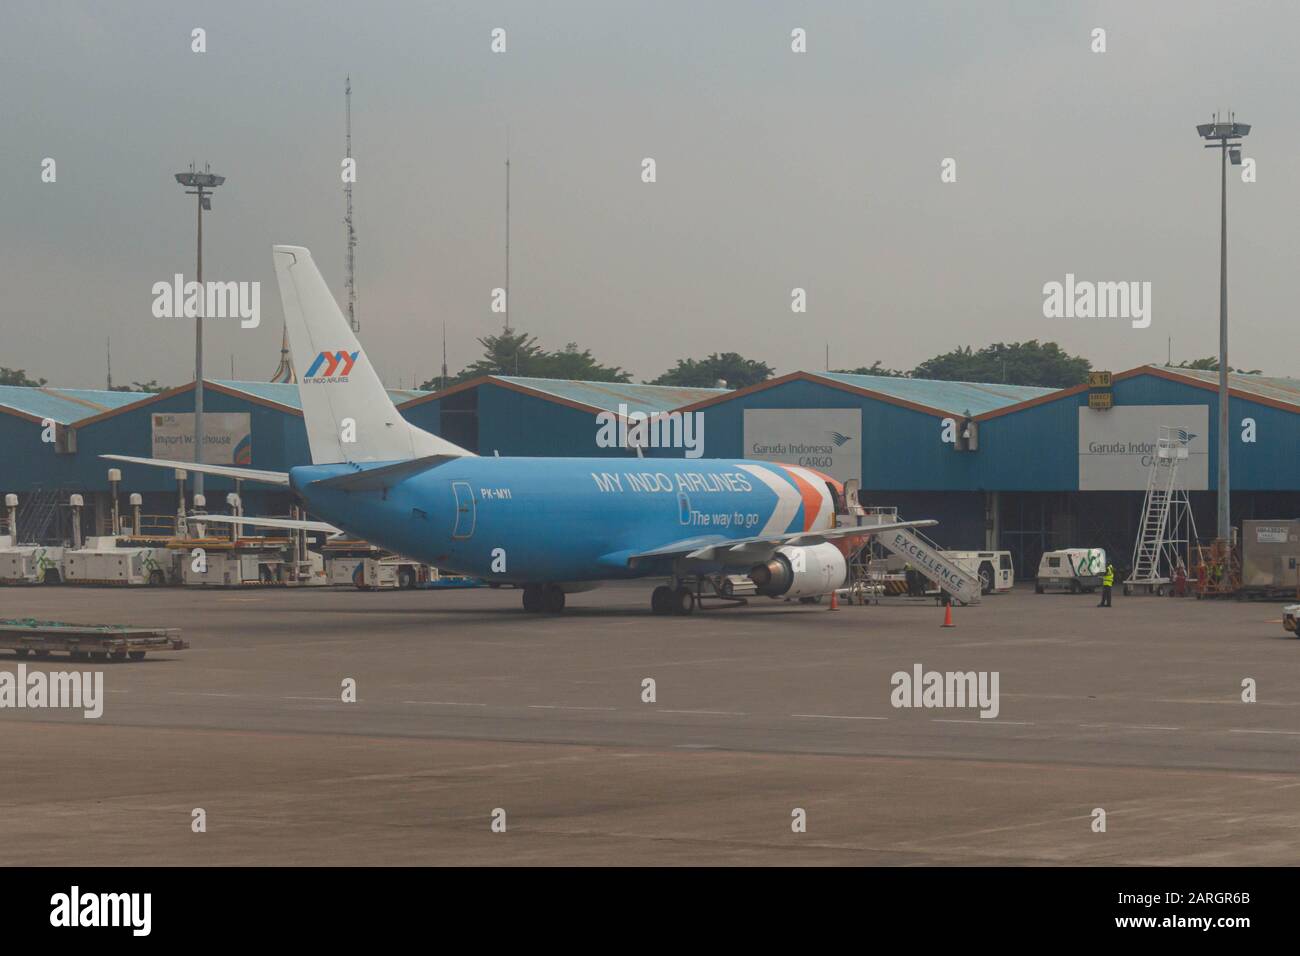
(1009,467)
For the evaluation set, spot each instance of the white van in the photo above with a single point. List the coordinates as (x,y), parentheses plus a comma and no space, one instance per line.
(995,570)
(1072,569)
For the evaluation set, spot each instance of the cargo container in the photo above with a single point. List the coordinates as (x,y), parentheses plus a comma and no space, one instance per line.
(1270,558)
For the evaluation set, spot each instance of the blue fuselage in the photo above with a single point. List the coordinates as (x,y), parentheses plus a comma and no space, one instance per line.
(522,520)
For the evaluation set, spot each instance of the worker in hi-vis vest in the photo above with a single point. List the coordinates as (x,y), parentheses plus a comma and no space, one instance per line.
(1107,580)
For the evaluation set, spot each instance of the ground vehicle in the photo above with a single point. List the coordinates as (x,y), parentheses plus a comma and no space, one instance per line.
(365,566)
(995,570)
(233,567)
(1291,618)
(30,563)
(1073,569)
(104,561)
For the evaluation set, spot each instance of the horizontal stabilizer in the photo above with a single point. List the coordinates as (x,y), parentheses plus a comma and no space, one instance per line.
(223,471)
(256,522)
(383,477)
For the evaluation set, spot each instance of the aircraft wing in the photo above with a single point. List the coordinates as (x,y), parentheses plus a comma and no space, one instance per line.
(224,471)
(717,549)
(266,522)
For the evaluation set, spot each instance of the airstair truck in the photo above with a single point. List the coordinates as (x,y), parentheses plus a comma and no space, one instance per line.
(954,579)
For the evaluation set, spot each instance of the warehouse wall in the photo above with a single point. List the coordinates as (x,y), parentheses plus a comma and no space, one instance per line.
(1272,462)
(279,441)
(1031,450)
(960,514)
(425,414)
(27,462)
(515,423)
(901,446)
(1035,449)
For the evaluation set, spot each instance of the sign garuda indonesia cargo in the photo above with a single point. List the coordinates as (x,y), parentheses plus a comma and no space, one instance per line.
(827,439)
(1118,445)
(227,437)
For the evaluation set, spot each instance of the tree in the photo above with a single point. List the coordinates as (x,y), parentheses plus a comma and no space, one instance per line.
(579,366)
(736,370)
(1211,364)
(149,386)
(1043,364)
(874,369)
(18,376)
(506,353)
(517,353)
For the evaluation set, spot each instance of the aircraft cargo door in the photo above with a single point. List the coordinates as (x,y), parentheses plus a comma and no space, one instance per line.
(465,514)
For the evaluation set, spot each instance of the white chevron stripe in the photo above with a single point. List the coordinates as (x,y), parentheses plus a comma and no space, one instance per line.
(827,507)
(787,499)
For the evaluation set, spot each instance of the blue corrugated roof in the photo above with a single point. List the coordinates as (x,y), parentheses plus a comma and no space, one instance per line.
(955,397)
(609,395)
(63,405)
(284,393)
(1278,389)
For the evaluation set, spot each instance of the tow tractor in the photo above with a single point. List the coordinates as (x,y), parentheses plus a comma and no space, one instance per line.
(370,568)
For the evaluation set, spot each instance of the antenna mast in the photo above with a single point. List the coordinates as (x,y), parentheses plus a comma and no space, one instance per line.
(108,348)
(347,219)
(507,230)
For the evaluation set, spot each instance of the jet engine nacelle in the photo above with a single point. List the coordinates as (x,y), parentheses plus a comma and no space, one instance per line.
(801,572)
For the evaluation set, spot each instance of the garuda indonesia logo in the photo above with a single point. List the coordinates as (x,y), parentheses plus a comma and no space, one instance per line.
(837,438)
(331,366)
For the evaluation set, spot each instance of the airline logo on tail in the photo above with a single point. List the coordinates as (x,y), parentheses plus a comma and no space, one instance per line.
(332,366)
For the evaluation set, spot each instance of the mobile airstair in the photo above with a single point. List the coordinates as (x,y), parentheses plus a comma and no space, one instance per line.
(960,583)
(1167,530)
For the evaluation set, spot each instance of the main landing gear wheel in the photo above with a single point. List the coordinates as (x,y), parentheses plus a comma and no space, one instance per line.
(553,599)
(548,598)
(683,600)
(662,600)
(532,598)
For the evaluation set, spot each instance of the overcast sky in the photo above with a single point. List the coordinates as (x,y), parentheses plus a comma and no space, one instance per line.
(775,170)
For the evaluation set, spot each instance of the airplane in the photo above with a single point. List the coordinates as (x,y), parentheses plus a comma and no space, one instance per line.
(552,526)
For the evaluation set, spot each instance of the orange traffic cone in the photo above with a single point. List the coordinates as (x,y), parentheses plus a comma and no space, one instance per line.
(947,615)
(835,600)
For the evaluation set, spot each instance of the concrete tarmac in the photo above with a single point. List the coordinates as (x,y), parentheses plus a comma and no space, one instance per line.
(466,706)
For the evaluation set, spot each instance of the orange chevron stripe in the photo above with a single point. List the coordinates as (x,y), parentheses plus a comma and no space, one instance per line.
(812,498)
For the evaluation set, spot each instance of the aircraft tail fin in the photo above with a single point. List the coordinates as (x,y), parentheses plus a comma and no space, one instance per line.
(348,413)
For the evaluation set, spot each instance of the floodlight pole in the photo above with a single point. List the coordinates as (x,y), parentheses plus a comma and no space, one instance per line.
(1219,135)
(1224,525)
(198,354)
(200,186)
